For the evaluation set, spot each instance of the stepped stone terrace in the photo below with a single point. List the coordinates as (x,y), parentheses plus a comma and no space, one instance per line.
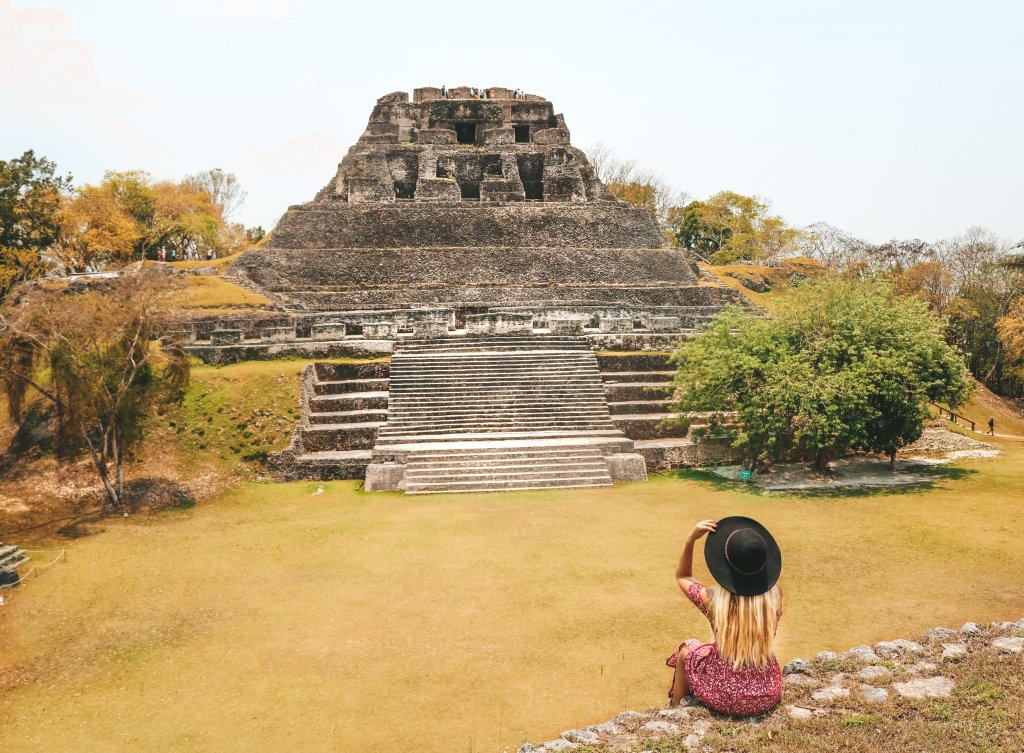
(468,237)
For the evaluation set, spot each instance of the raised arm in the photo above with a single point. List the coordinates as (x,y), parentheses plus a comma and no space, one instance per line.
(684,571)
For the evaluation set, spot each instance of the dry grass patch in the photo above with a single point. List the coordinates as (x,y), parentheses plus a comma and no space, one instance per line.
(217,293)
(324,618)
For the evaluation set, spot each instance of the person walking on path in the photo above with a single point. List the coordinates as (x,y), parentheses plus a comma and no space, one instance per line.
(737,674)
(991,426)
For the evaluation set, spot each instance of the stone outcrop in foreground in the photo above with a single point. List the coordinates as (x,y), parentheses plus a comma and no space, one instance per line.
(849,685)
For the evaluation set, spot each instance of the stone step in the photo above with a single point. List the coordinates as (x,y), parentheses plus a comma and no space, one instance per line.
(400,407)
(637,376)
(423,476)
(455,487)
(652,425)
(636,361)
(467,468)
(437,428)
(503,428)
(499,435)
(348,417)
(335,372)
(463,375)
(331,464)
(495,411)
(490,356)
(639,406)
(350,385)
(504,387)
(11,556)
(636,391)
(465,349)
(517,342)
(532,381)
(349,401)
(507,452)
(353,436)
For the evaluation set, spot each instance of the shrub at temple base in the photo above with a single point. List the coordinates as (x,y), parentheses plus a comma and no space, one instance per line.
(842,366)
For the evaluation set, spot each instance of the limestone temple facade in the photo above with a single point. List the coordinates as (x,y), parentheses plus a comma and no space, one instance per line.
(468,238)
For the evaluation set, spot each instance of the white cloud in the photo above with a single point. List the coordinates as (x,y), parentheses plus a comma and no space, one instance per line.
(236,8)
(50,79)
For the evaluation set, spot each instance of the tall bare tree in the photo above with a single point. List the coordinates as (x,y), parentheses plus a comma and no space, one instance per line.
(103,358)
(224,188)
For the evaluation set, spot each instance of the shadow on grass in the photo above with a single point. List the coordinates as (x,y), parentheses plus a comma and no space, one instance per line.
(933,475)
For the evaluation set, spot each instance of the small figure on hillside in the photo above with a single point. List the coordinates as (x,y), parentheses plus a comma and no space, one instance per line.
(444,92)
(738,674)
(991,426)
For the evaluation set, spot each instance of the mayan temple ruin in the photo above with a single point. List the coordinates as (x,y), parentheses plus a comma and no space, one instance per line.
(526,310)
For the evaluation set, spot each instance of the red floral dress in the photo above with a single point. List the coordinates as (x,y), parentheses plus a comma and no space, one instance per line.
(737,692)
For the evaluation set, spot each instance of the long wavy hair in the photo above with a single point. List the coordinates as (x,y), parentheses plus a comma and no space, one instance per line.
(745,626)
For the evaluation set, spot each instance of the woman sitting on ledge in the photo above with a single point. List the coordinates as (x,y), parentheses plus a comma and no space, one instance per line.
(737,674)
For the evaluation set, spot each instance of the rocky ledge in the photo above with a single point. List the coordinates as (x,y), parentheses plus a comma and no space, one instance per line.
(847,685)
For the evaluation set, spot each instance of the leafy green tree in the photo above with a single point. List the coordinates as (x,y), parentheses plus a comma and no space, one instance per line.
(30,201)
(103,358)
(842,366)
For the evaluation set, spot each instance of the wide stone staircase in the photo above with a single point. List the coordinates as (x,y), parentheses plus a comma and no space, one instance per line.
(472,414)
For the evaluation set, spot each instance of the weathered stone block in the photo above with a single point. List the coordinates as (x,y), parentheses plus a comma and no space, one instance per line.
(501,189)
(370,189)
(225,337)
(616,324)
(627,466)
(384,477)
(278,334)
(565,325)
(430,329)
(549,136)
(499,323)
(501,135)
(664,323)
(436,136)
(328,331)
(563,183)
(438,189)
(380,330)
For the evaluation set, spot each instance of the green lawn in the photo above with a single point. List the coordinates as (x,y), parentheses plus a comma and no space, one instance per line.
(276,618)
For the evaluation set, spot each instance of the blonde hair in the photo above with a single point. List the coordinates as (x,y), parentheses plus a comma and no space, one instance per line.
(744,626)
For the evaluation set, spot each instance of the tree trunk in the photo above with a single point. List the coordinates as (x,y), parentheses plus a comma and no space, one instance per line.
(118,467)
(892,460)
(99,459)
(821,458)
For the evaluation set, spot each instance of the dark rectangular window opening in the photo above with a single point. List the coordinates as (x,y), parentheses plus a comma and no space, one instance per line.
(405,189)
(465,133)
(531,172)
(522,134)
(469,189)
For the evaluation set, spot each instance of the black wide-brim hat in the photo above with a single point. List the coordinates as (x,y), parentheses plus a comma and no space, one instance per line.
(742,556)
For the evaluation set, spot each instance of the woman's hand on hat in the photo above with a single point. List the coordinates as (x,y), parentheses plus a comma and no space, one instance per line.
(702,529)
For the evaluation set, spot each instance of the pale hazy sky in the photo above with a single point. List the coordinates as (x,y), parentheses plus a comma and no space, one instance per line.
(888,119)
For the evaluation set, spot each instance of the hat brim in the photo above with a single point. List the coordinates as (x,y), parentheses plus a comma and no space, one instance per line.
(727,577)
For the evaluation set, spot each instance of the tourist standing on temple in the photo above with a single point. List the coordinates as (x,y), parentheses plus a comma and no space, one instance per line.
(738,674)
(444,92)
